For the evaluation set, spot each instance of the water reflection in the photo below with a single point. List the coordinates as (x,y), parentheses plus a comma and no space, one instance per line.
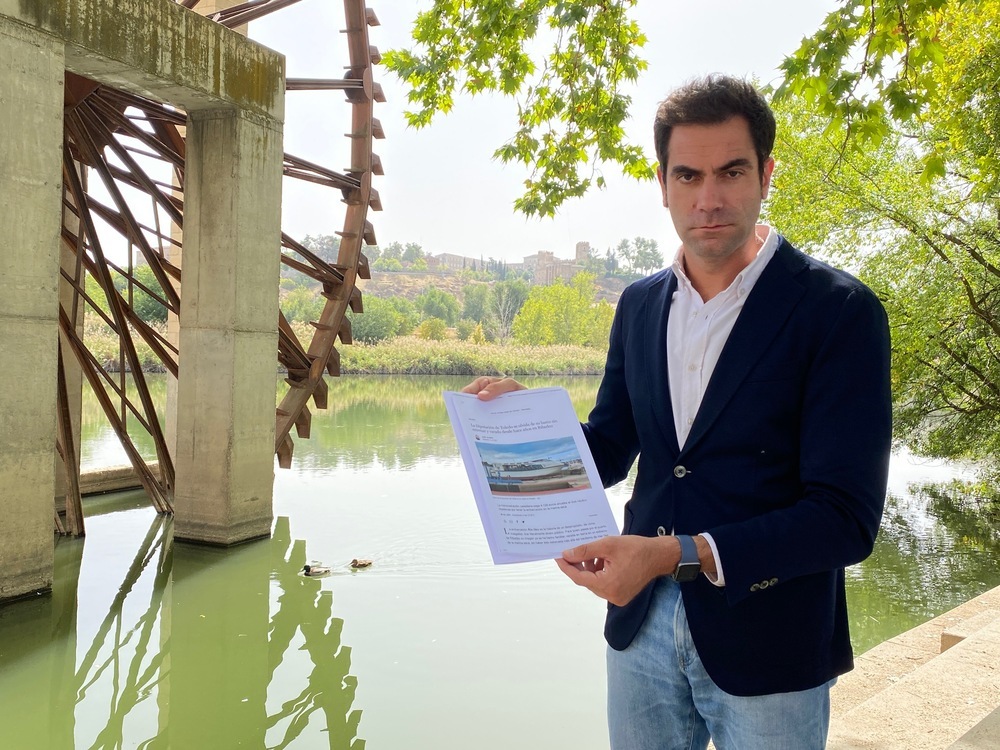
(195,647)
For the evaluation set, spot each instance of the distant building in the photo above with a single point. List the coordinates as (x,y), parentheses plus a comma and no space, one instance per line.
(543,266)
(548,268)
(453,262)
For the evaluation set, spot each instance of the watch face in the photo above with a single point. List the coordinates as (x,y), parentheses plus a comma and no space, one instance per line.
(687,572)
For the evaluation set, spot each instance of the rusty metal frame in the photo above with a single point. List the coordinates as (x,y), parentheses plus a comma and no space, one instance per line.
(108,131)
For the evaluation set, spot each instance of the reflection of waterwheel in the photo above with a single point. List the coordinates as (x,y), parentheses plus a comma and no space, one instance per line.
(134,148)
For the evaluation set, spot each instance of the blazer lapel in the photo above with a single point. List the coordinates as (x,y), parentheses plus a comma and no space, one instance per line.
(768,306)
(654,351)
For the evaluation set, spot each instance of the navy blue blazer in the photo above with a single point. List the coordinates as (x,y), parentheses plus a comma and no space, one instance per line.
(785,466)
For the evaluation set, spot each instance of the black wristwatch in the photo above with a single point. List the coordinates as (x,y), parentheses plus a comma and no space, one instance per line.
(690,566)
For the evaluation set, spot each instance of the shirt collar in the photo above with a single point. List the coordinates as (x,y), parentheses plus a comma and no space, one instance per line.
(746,278)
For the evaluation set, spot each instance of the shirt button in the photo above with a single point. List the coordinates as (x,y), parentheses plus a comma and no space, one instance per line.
(680,471)
(692,367)
(660,531)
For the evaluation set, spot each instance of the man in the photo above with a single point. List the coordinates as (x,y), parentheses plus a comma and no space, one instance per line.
(753,383)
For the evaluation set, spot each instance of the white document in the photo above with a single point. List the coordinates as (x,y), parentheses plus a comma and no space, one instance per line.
(532,474)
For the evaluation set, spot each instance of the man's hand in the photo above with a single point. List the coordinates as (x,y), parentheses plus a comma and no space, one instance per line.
(617,568)
(491,387)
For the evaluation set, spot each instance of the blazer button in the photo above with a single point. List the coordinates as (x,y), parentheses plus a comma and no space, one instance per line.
(755,588)
(764,584)
(680,471)
(772,581)
(660,531)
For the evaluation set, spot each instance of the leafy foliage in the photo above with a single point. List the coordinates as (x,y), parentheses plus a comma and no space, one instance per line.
(433,329)
(386,263)
(302,303)
(564,314)
(435,303)
(506,302)
(380,321)
(877,64)
(571,105)
(640,256)
(893,167)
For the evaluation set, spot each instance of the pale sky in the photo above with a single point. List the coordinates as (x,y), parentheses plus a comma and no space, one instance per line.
(441,187)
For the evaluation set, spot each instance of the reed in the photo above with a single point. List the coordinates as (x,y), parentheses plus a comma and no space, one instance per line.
(412,356)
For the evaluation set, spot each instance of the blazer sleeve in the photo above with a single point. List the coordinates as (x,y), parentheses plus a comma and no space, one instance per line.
(845,440)
(610,428)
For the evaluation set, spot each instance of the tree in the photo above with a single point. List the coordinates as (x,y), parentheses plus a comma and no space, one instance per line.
(302,303)
(640,256)
(476,301)
(570,103)
(392,251)
(373,253)
(507,300)
(148,309)
(435,303)
(387,264)
(326,246)
(889,118)
(648,257)
(409,315)
(412,252)
(380,321)
(433,329)
(564,314)
(625,253)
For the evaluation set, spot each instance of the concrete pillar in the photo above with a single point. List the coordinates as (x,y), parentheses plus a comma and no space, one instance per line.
(31,103)
(175,255)
(228,328)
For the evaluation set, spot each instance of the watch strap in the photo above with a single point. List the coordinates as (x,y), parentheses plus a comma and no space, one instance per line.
(690,565)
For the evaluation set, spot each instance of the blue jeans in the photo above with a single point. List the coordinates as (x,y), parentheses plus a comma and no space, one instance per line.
(661,698)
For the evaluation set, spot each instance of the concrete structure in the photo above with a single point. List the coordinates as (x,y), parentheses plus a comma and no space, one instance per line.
(30,197)
(935,687)
(233,92)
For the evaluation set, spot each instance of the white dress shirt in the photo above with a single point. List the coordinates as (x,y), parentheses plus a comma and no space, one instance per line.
(696,333)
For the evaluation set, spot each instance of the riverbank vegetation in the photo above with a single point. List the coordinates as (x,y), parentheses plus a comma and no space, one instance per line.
(412,355)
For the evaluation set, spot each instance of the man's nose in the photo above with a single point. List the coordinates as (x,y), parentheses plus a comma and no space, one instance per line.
(709,196)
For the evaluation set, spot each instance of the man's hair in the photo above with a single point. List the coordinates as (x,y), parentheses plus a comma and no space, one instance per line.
(713,100)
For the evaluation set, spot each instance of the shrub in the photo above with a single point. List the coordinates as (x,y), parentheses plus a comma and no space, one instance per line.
(464,328)
(433,329)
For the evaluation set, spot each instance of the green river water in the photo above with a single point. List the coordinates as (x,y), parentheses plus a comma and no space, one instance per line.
(146,644)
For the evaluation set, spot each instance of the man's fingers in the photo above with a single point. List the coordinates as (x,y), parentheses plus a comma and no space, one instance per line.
(477,385)
(575,572)
(491,386)
(591,551)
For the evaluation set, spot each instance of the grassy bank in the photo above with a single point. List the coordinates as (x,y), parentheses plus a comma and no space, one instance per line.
(412,356)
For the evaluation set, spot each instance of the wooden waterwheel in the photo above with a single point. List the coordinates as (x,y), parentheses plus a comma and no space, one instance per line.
(124,185)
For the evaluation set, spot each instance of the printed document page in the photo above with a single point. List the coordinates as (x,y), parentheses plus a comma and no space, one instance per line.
(531,471)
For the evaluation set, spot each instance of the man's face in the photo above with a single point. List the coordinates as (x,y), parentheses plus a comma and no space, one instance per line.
(714,190)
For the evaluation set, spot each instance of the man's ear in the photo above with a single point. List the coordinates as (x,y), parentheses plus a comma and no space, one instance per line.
(663,185)
(765,182)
